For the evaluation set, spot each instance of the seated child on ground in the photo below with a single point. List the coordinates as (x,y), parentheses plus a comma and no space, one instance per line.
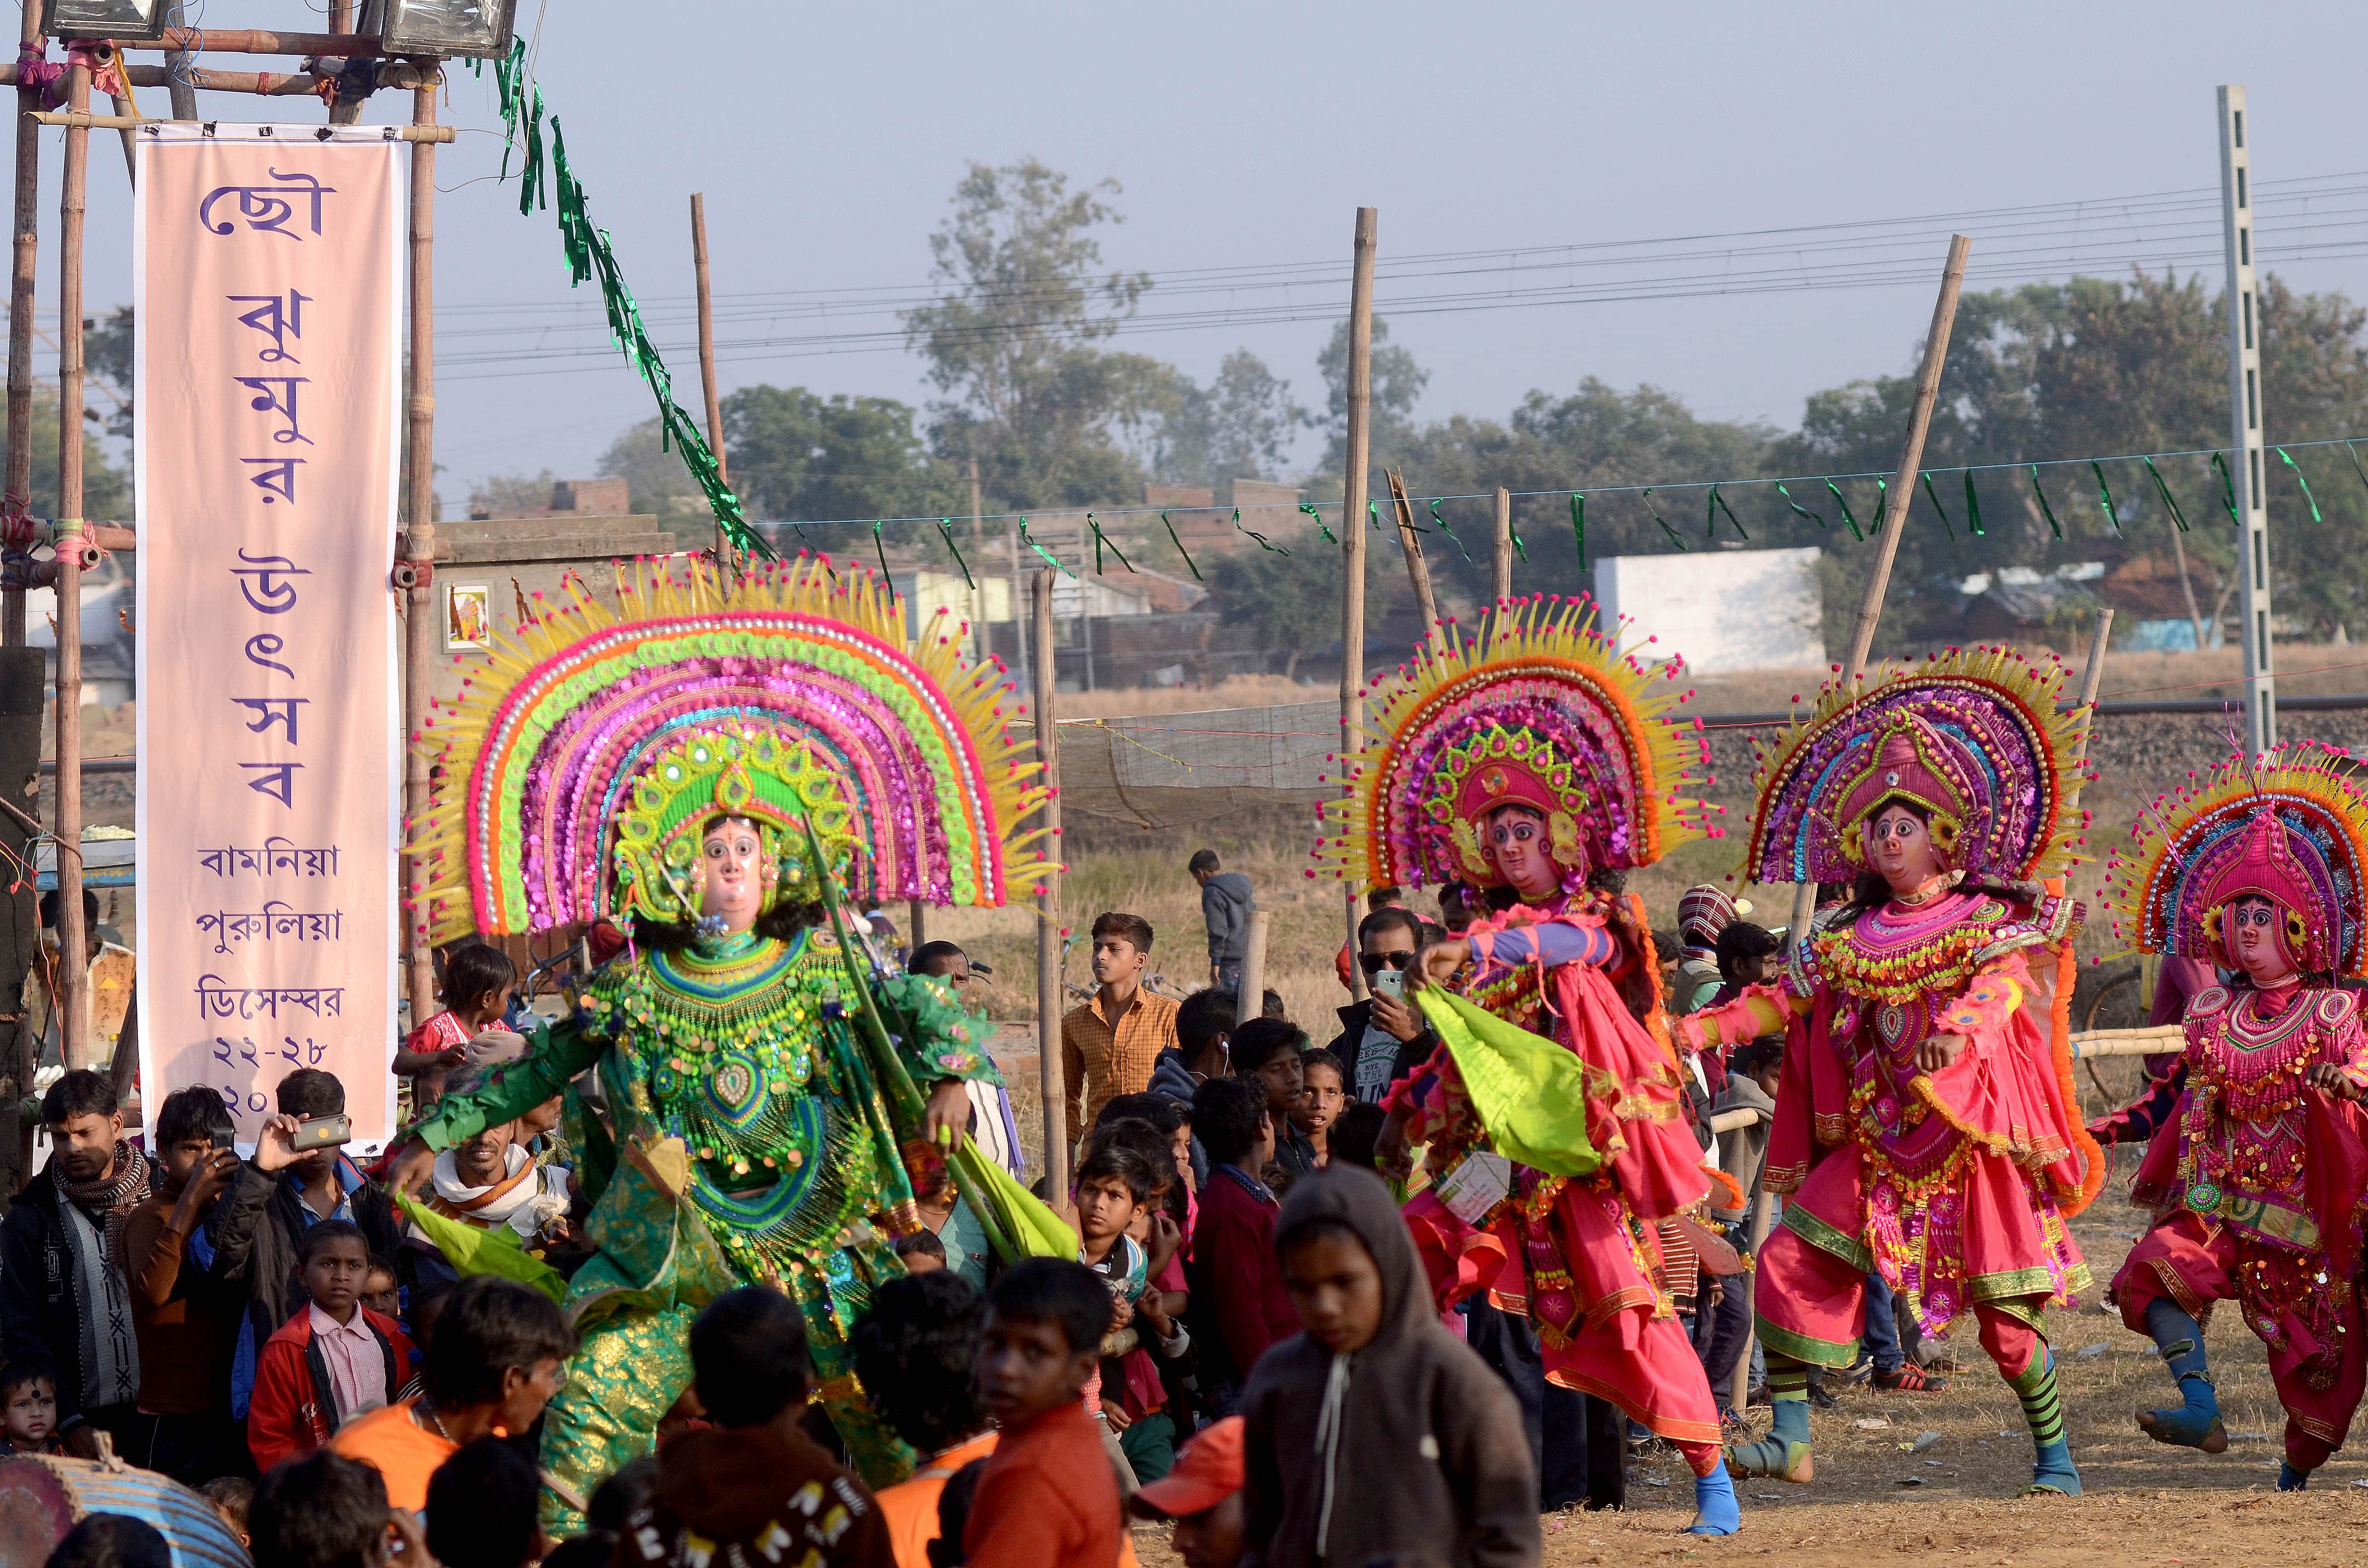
(31,1401)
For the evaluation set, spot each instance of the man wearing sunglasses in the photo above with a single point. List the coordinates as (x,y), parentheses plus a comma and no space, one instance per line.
(1385,1037)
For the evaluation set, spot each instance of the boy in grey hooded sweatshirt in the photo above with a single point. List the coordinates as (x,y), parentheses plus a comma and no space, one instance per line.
(1374,1431)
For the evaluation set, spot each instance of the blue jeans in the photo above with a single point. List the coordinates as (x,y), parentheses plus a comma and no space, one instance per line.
(1881,1337)
(1229,976)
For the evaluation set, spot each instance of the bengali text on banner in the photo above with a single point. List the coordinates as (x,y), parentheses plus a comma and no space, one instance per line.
(267,388)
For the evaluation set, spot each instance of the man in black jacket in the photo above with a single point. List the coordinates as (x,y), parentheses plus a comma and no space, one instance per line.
(1384,1038)
(66,1303)
(249,1240)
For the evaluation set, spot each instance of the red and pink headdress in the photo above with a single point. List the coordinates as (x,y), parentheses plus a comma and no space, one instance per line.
(2291,828)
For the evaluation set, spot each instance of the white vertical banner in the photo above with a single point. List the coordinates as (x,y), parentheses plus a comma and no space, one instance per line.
(269,288)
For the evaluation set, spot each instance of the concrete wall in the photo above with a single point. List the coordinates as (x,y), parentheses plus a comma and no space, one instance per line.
(1723,610)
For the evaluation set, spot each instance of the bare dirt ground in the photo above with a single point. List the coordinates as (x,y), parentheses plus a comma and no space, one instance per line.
(1874,1502)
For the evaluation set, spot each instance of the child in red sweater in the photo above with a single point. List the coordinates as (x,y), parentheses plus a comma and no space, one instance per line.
(331,1360)
(1048,1498)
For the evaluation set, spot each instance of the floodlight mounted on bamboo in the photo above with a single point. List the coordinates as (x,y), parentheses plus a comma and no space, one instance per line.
(474,29)
(140,19)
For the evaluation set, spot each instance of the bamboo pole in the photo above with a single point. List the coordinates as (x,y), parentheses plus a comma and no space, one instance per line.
(124,107)
(421,624)
(74,971)
(254,40)
(345,110)
(1048,905)
(1249,1001)
(178,64)
(1352,524)
(1911,454)
(1895,508)
(22,287)
(1418,569)
(1503,546)
(707,385)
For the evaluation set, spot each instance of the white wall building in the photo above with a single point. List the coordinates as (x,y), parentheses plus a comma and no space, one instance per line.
(1723,610)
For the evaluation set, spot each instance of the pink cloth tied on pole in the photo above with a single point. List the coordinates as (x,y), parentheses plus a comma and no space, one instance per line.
(35,68)
(105,73)
(19,529)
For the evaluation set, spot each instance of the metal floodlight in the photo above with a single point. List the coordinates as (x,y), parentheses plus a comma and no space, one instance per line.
(474,29)
(141,19)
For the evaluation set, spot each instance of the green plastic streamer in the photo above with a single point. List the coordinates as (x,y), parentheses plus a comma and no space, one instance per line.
(2228,488)
(1798,511)
(2105,496)
(2045,510)
(590,256)
(1843,501)
(1050,558)
(2301,480)
(1373,514)
(2164,491)
(1681,544)
(884,557)
(946,526)
(1934,497)
(1306,506)
(1717,504)
(1273,549)
(1179,547)
(1974,508)
(1099,541)
(1578,524)
(1440,521)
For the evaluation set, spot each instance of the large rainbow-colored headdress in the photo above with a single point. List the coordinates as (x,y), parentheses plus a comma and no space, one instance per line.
(1973,737)
(2291,828)
(589,750)
(1539,710)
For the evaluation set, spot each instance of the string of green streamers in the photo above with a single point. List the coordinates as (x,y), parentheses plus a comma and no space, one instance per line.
(591,258)
(1439,522)
(1799,510)
(946,526)
(1681,544)
(2228,489)
(2045,510)
(2168,498)
(1308,508)
(1711,510)
(1974,508)
(1099,541)
(1179,547)
(1578,524)
(2302,480)
(1050,558)
(1843,501)
(1275,549)
(2105,497)
(1934,497)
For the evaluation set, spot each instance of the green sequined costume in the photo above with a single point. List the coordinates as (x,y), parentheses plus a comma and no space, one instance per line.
(752,1145)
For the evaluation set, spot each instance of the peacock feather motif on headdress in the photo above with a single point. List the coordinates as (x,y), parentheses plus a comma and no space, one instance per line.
(590,749)
(2290,826)
(1539,710)
(1976,738)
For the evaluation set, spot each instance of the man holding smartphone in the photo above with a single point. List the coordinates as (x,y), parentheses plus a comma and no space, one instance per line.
(1384,1038)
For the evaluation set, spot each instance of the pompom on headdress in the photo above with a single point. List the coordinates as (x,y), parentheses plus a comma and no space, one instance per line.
(2291,827)
(589,751)
(1974,738)
(1539,710)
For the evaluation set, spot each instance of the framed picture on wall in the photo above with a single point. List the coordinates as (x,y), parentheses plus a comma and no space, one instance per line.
(468,617)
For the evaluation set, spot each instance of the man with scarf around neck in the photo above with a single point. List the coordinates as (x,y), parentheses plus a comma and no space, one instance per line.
(493,1181)
(2257,1176)
(65,1301)
(1375,1434)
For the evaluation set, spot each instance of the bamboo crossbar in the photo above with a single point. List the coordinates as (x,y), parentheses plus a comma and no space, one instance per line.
(76,119)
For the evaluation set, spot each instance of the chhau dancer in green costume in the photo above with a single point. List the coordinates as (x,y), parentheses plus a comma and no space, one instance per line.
(773,1095)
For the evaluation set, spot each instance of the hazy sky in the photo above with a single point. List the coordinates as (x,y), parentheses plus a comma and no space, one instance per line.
(827,140)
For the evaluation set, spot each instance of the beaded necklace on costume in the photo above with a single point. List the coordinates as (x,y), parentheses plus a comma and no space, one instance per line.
(1897,953)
